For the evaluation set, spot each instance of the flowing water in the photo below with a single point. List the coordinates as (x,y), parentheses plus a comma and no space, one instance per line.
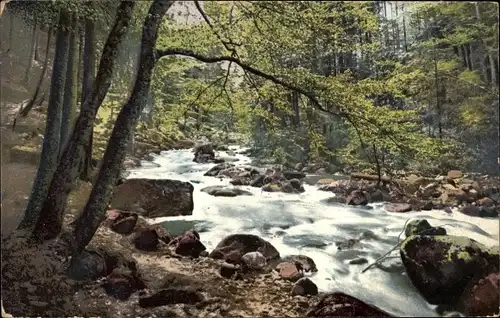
(305,224)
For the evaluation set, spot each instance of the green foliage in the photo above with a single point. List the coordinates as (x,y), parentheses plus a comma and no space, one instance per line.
(364,101)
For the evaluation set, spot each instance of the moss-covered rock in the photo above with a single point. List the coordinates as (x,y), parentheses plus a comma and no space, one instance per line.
(272,187)
(440,267)
(223,191)
(423,227)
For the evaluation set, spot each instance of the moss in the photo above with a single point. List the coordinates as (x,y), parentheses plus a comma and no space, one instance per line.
(464,256)
(25,148)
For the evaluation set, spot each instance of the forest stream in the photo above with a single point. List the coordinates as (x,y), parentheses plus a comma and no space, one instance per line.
(305,224)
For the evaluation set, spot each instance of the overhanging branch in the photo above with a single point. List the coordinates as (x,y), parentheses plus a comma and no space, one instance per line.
(275,79)
(250,69)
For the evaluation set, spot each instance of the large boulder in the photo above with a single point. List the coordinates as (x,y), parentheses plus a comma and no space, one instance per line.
(155,197)
(440,267)
(237,245)
(204,153)
(342,305)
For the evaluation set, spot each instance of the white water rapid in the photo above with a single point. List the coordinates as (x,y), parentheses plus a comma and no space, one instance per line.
(303,224)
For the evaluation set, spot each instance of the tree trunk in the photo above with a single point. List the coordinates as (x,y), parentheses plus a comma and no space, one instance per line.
(70,90)
(50,148)
(438,101)
(30,105)
(51,217)
(494,74)
(37,44)
(296,108)
(81,48)
(11,30)
(32,54)
(89,61)
(405,42)
(89,220)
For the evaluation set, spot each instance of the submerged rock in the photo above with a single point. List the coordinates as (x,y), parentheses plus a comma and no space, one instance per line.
(223,191)
(155,197)
(398,207)
(215,170)
(440,267)
(342,305)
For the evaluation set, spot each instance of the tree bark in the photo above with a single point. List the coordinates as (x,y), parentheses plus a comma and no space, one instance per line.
(50,221)
(11,30)
(36,56)
(89,220)
(89,61)
(50,148)
(32,54)
(70,90)
(30,105)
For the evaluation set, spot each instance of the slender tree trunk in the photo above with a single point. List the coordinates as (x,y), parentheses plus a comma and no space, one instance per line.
(89,61)
(11,29)
(37,44)
(50,148)
(494,72)
(89,220)
(405,42)
(396,28)
(32,54)
(51,217)
(464,55)
(81,47)
(438,100)
(70,90)
(30,105)
(296,108)
(469,59)
(44,97)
